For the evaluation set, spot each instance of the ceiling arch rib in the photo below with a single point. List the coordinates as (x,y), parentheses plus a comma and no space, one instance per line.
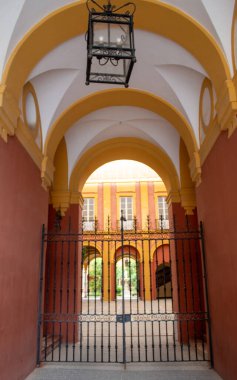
(50,87)
(149,75)
(184,31)
(10,12)
(212,15)
(222,14)
(187,84)
(129,148)
(26,16)
(118,97)
(114,122)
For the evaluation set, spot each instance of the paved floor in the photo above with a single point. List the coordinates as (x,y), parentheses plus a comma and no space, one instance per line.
(143,371)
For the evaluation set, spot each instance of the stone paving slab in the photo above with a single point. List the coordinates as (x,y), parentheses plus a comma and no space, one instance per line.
(139,371)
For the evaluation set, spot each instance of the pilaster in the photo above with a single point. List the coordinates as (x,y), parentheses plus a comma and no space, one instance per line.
(226,107)
(188,200)
(195,168)
(9,113)
(47,172)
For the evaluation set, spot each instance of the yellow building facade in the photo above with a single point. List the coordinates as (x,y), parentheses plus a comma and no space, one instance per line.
(136,192)
(142,199)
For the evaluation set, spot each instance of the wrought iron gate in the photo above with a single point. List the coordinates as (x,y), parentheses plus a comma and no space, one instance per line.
(123,296)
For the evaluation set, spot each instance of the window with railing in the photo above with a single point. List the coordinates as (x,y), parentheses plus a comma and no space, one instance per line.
(126,205)
(88,214)
(163,216)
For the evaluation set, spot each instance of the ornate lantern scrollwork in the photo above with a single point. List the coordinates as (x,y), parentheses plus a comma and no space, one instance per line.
(110,43)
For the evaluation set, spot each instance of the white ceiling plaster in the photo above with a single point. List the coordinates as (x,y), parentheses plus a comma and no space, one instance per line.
(187,84)
(163,68)
(152,51)
(18,16)
(221,15)
(10,11)
(215,16)
(124,121)
(50,88)
(30,14)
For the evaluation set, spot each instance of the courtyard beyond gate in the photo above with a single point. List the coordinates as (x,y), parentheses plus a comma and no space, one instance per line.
(123,296)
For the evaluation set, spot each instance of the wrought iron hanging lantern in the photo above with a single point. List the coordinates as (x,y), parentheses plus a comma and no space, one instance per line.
(110,43)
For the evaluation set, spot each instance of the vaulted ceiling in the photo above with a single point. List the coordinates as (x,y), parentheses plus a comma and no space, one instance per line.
(183,58)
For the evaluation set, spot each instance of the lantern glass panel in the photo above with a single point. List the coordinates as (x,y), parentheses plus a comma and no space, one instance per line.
(111,35)
(111,51)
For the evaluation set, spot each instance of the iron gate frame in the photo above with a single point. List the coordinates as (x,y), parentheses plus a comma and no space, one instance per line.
(172,235)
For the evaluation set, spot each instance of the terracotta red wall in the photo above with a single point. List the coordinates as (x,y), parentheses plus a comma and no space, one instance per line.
(217,208)
(23,207)
(63,274)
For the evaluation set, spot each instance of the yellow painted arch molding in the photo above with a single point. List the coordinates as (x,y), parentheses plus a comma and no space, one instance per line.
(119,97)
(124,148)
(151,15)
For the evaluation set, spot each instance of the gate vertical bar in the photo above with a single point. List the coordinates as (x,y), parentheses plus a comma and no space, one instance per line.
(206,293)
(123,294)
(40,296)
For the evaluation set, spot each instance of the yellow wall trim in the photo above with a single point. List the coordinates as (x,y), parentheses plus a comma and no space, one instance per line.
(203,128)
(119,97)
(173,197)
(226,107)
(61,200)
(47,172)
(29,89)
(195,168)
(48,33)
(128,148)
(188,200)
(9,113)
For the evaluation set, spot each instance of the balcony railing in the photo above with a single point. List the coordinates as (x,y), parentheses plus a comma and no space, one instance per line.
(128,225)
(162,224)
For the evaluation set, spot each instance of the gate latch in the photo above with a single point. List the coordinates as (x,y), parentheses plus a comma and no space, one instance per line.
(123,318)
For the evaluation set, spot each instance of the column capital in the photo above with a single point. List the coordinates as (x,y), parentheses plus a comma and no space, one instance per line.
(63,199)
(173,197)
(188,200)
(76,198)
